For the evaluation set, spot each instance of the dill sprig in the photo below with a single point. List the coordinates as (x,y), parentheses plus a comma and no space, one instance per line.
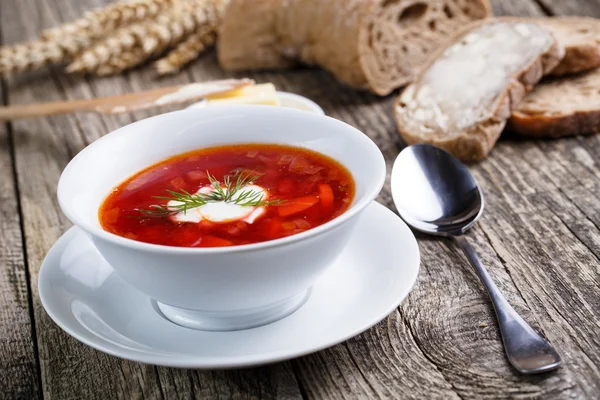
(228,192)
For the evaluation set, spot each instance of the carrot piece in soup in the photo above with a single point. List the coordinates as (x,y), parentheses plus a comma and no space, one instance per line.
(326,196)
(236,228)
(302,224)
(111,216)
(207,225)
(300,165)
(297,205)
(213,241)
(288,225)
(187,236)
(177,183)
(271,227)
(196,176)
(285,159)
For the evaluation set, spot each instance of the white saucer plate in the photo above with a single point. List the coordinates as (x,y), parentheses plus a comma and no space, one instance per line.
(289,100)
(86,298)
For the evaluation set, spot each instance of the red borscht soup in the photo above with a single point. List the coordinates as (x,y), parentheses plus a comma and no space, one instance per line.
(228,195)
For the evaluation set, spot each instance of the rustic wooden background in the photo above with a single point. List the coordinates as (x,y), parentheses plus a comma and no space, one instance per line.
(539,237)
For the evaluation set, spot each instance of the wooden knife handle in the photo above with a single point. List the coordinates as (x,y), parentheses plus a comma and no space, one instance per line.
(43,109)
(127,102)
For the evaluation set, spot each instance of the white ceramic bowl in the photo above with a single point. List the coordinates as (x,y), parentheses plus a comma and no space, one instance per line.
(220,288)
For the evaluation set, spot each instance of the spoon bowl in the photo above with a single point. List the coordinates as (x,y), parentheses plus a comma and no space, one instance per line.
(436,194)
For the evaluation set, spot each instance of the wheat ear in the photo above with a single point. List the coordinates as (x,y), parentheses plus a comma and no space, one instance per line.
(148,39)
(186,51)
(96,23)
(33,55)
(116,65)
(61,44)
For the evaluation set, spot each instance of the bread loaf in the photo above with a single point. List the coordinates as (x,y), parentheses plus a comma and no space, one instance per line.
(564,106)
(373,44)
(464,96)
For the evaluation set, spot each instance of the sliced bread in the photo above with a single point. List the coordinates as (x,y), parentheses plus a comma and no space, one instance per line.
(580,36)
(463,97)
(564,106)
(374,44)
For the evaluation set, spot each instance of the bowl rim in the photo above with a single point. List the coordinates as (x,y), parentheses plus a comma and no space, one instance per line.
(371,191)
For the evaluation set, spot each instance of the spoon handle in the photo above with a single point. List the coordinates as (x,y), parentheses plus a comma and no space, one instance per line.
(526,350)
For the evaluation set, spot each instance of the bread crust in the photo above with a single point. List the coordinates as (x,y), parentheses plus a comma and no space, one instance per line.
(555,126)
(334,34)
(562,106)
(578,59)
(275,34)
(475,142)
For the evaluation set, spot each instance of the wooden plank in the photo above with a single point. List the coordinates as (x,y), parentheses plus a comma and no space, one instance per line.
(270,382)
(20,377)
(455,326)
(384,362)
(42,148)
(18,362)
(575,171)
(534,228)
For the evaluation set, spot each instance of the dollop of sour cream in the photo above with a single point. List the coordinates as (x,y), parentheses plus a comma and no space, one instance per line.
(220,211)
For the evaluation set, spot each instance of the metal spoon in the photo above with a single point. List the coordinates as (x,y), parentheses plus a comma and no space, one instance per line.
(434,193)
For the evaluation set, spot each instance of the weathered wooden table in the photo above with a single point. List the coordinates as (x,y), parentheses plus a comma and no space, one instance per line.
(540,238)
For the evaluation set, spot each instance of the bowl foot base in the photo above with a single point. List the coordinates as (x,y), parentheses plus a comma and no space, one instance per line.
(233,320)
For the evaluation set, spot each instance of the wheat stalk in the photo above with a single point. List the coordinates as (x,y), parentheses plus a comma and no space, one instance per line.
(186,51)
(36,54)
(148,39)
(61,44)
(121,36)
(115,65)
(96,23)
(32,56)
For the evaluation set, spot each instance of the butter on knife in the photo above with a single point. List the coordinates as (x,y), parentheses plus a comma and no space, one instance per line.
(264,94)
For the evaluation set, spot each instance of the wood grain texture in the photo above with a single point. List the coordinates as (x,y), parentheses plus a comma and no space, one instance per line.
(18,359)
(539,237)
(42,149)
(19,375)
